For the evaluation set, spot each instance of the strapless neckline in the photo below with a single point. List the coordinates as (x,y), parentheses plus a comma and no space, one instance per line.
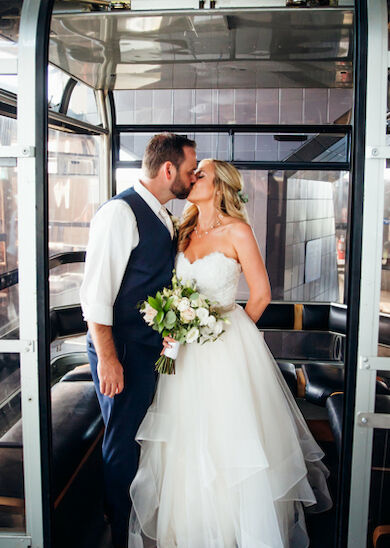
(209,255)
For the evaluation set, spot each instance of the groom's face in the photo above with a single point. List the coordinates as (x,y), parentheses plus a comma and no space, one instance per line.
(185,175)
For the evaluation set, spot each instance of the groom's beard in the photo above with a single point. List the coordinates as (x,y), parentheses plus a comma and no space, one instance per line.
(179,189)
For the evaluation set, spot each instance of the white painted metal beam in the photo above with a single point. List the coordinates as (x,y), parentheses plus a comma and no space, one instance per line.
(370,270)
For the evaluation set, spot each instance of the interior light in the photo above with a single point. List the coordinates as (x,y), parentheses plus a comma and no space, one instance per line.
(143,24)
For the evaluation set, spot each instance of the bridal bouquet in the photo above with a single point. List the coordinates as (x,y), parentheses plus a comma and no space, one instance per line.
(183,313)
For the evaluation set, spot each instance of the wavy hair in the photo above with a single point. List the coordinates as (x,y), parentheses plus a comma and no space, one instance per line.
(228,182)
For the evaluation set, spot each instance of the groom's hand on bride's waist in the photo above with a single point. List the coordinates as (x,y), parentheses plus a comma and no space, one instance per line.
(110,373)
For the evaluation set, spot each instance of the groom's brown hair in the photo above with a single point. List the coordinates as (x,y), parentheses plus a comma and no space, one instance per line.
(164,147)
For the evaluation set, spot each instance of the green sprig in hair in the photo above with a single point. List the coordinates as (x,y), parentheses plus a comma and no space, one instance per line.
(243,197)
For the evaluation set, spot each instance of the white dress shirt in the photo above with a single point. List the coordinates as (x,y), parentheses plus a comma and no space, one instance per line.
(112,237)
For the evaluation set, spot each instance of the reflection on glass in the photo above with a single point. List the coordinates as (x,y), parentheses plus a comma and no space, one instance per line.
(313,207)
(12,517)
(9,312)
(82,105)
(385,281)
(9,297)
(8,52)
(379,506)
(287,147)
(126,177)
(57,80)
(73,189)
(65,281)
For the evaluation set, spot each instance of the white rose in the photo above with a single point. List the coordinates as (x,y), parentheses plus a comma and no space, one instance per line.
(184,303)
(192,335)
(187,315)
(211,322)
(203,315)
(218,328)
(149,314)
(175,301)
(199,302)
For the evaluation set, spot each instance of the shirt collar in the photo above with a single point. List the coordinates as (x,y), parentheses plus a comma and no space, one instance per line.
(154,204)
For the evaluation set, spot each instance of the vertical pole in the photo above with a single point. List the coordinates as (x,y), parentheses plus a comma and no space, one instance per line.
(105,151)
(33,267)
(115,139)
(371,208)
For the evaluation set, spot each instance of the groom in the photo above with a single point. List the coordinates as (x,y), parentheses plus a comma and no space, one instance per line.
(130,255)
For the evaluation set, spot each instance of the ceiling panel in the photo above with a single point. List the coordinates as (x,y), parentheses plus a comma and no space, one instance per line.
(229,49)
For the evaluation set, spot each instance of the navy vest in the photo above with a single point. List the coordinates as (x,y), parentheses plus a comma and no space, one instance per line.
(149,270)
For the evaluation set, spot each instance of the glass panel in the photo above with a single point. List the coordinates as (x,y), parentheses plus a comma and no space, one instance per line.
(298,219)
(379,508)
(251,147)
(302,147)
(9,298)
(65,282)
(209,145)
(125,177)
(300,222)
(385,281)
(234,106)
(73,200)
(8,52)
(57,80)
(73,189)
(12,518)
(82,105)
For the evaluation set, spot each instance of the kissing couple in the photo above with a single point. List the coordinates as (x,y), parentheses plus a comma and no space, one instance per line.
(217,455)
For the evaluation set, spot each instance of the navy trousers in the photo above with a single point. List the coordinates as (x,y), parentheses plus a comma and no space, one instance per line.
(122,416)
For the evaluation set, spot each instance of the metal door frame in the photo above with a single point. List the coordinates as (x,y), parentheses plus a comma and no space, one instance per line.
(30,155)
(362,361)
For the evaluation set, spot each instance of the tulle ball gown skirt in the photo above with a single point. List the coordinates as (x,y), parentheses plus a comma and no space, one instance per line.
(227,460)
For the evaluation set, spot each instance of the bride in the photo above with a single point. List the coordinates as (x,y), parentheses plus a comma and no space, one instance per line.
(227,460)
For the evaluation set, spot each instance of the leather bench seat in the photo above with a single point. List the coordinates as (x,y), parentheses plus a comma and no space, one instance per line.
(79,373)
(379,505)
(290,375)
(334,406)
(322,380)
(77,428)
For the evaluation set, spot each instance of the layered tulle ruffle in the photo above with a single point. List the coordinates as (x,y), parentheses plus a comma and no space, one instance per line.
(227,459)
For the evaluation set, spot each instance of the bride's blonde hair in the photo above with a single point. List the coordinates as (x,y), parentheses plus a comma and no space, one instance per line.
(228,183)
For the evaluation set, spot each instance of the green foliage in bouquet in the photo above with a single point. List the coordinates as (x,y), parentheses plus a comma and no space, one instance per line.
(183,313)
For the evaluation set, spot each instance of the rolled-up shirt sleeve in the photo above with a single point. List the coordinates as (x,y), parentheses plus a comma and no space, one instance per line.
(112,237)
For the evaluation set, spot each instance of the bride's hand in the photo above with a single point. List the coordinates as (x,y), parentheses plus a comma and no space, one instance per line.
(166,343)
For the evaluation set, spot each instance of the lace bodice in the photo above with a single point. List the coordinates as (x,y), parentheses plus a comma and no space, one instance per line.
(216,276)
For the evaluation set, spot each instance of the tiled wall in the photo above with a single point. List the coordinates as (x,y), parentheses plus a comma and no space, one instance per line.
(229,106)
(310,216)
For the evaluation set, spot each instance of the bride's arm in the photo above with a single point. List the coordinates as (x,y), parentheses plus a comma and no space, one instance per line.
(253,268)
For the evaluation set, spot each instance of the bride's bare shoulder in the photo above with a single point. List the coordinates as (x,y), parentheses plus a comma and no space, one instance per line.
(237,227)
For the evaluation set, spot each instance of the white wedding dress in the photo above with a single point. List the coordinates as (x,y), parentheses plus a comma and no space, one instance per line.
(227,460)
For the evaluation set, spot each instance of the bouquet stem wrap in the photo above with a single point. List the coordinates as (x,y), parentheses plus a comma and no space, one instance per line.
(166,362)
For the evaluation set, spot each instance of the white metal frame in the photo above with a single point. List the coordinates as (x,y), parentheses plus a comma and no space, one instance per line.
(23,154)
(372,235)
